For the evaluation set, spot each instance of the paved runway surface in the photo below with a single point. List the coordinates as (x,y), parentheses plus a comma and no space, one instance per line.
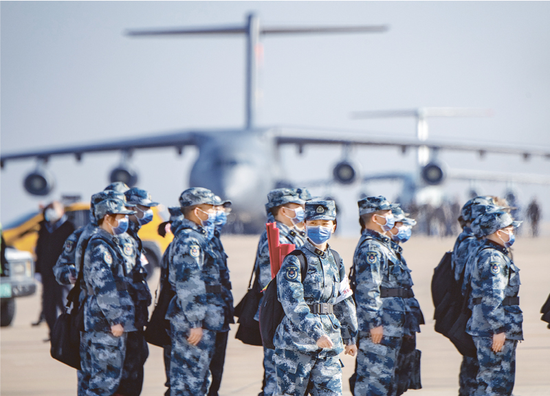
(27,368)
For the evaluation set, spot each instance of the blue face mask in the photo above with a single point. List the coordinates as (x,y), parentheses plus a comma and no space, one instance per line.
(147,217)
(390,222)
(209,224)
(319,234)
(511,239)
(403,234)
(122,226)
(221,219)
(299,215)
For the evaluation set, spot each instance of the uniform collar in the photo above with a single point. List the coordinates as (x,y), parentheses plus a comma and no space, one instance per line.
(496,246)
(376,235)
(188,224)
(397,247)
(313,249)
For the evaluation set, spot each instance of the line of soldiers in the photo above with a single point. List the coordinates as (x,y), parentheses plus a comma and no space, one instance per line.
(372,313)
(483,266)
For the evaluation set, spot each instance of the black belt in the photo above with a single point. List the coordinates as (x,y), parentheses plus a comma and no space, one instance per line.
(506,301)
(321,309)
(396,292)
(213,288)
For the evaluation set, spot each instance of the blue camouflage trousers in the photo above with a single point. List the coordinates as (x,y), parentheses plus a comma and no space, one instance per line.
(497,370)
(299,373)
(467,379)
(83,375)
(102,358)
(376,365)
(270,374)
(137,352)
(189,364)
(167,355)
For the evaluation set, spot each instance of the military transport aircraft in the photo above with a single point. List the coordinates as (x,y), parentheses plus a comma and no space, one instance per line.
(243,164)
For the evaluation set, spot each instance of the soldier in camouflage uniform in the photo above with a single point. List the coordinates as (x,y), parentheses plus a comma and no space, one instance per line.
(137,349)
(380,284)
(218,360)
(465,246)
(320,313)
(196,312)
(285,207)
(496,321)
(108,310)
(175,215)
(407,374)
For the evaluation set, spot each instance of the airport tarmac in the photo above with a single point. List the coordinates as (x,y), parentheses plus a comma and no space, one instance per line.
(28,370)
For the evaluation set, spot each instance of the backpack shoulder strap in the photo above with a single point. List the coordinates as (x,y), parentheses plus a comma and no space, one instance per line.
(303,262)
(337,258)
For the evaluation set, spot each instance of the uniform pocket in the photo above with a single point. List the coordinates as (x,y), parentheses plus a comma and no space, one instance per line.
(377,349)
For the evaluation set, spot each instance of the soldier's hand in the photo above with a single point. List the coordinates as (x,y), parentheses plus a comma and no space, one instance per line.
(498,341)
(117,330)
(351,350)
(195,336)
(324,342)
(376,334)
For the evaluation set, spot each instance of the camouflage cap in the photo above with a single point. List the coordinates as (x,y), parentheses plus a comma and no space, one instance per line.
(105,203)
(197,196)
(220,202)
(281,196)
(137,196)
(373,204)
(117,186)
(320,209)
(175,212)
(492,221)
(400,216)
(474,204)
(303,193)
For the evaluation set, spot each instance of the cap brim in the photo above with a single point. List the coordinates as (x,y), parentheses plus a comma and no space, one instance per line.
(516,224)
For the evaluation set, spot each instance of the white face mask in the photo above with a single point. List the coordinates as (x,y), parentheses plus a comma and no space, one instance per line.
(51,215)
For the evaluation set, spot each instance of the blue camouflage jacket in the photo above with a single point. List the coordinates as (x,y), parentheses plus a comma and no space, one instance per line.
(376,266)
(416,318)
(108,302)
(286,235)
(193,270)
(65,265)
(221,261)
(465,246)
(325,282)
(494,277)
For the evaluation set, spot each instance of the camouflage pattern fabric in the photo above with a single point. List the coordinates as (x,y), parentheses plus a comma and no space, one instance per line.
(320,209)
(300,373)
(65,268)
(467,379)
(373,204)
(297,335)
(281,196)
(465,247)
(197,196)
(494,278)
(492,221)
(497,370)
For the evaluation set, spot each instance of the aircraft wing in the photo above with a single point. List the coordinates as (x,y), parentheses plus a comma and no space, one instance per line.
(302,137)
(519,178)
(177,140)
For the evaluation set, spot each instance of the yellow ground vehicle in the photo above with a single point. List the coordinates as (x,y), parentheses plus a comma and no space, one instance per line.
(23,232)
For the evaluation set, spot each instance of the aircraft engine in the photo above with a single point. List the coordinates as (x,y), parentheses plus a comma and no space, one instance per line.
(125,174)
(39,182)
(433,174)
(345,172)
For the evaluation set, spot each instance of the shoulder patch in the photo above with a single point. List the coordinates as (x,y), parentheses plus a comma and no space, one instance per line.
(108,258)
(194,251)
(291,273)
(495,268)
(69,246)
(372,257)
(128,249)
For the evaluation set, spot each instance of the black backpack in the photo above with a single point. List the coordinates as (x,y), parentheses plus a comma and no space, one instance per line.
(271,310)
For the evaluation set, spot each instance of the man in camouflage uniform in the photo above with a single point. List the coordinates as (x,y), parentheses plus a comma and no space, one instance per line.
(465,246)
(137,349)
(285,207)
(108,310)
(68,264)
(320,313)
(196,311)
(407,374)
(496,321)
(380,288)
